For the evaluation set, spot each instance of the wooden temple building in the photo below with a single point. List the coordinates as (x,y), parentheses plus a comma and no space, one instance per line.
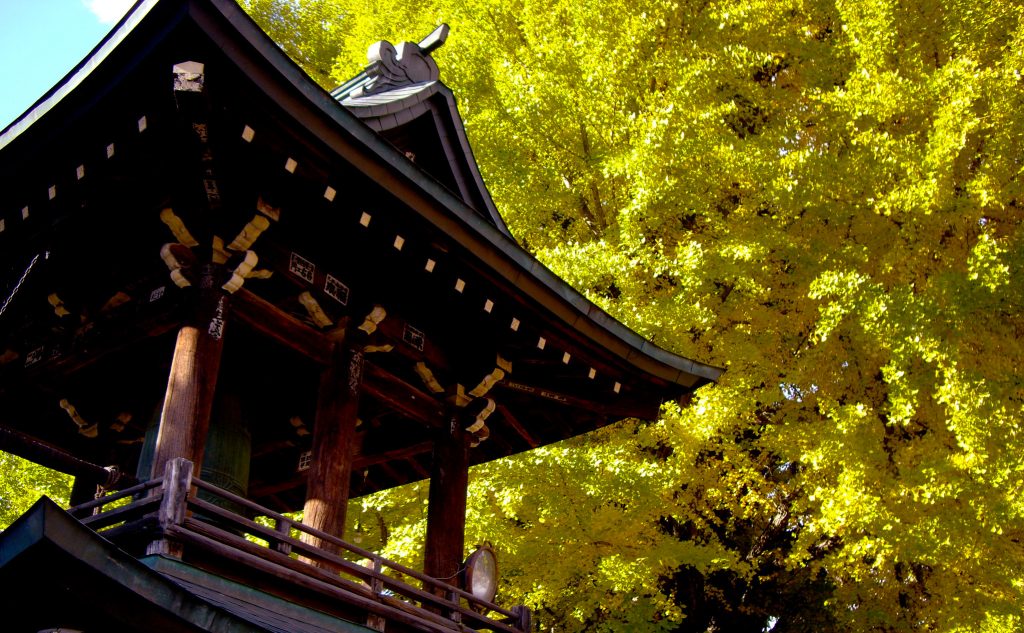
(228,294)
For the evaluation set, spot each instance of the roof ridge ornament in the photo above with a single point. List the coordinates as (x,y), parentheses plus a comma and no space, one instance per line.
(403,65)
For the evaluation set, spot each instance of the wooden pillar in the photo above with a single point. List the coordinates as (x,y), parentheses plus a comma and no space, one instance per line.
(327,481)
(185,417)
(446,513)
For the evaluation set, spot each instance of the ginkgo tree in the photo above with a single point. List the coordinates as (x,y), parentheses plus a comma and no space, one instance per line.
(824,196)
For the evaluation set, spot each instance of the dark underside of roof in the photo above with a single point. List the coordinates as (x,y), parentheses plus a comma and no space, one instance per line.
(352,224)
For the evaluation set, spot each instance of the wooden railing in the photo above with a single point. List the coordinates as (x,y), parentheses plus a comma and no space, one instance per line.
(170,510)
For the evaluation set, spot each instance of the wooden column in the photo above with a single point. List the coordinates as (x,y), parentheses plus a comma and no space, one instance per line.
(327,481)
(446,514)
(185,417)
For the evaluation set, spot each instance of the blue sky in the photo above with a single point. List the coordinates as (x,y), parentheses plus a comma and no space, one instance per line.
(41,40)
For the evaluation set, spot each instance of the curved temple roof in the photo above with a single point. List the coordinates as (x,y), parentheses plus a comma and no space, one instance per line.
(480,231)
(365,198)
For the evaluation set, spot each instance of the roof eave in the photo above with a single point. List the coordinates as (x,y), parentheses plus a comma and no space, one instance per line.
(342,131)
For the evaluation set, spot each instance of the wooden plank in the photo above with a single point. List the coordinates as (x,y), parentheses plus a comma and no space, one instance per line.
(268,320)
(446,513)
(327,481)
(188,402)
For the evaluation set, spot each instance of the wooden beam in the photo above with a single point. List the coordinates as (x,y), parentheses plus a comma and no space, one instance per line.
(393,329)
(621,409)
(268,320)
(40,452)
(258,491)
(517,426)
(402,453)
(47,374)
(327,481)
(417,467)
(397,478)
(446,513)
(402,397)
(188,402)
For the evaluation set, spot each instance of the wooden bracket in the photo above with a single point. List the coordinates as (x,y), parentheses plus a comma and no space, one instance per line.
(178,228)
(488,381)
(428,378)
(58,305)
(250,232)
(313,309)
(459,397)
(241,271)
(373,319)
(84,428)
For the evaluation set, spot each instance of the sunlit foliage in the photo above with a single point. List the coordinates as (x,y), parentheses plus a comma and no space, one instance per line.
(824,196)
(24,482)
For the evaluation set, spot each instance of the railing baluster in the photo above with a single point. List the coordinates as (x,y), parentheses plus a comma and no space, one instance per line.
(454,615)
(283,525)
(374,621)
(525,618)
(176,488)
